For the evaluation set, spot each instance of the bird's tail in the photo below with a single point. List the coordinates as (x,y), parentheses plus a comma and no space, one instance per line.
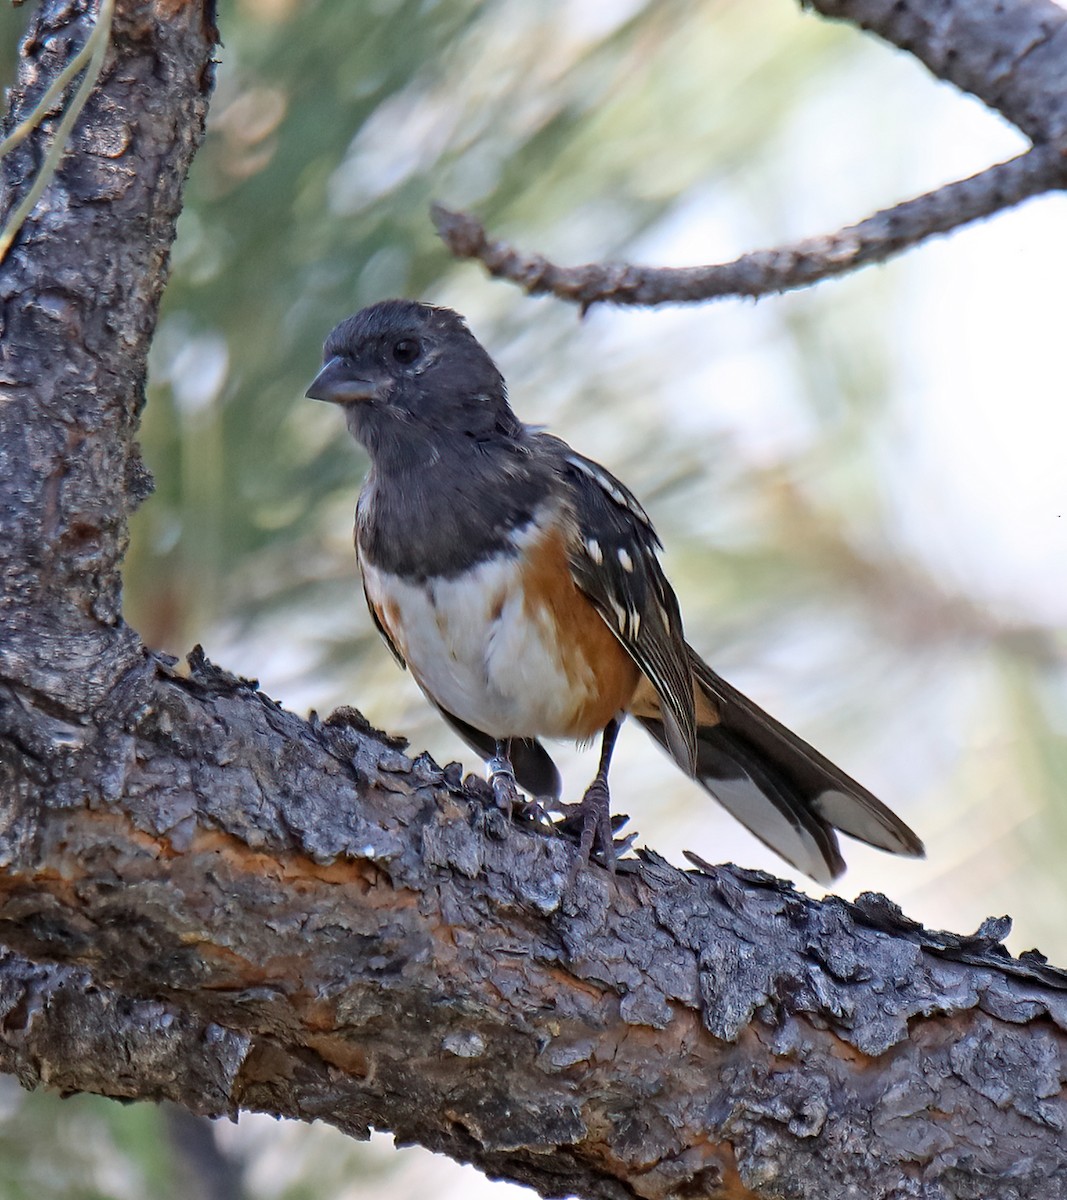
(783,790)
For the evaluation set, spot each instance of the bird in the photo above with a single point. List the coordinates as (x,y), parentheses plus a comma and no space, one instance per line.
(520,583)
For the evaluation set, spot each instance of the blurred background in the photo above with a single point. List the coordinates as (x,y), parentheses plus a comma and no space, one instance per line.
(861,486)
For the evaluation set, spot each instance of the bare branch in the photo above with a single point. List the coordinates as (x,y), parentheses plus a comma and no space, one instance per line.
(764,272)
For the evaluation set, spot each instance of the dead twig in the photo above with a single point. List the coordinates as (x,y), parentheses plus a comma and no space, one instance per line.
(764,272)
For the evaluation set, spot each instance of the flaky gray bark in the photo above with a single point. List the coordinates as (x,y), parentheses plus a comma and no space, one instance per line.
(208,899)
(252,911)
(1010,55)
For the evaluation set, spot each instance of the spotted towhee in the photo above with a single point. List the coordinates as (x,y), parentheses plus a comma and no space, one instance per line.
(519,581)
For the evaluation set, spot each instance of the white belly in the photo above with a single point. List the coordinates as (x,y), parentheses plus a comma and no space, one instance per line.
(474,648)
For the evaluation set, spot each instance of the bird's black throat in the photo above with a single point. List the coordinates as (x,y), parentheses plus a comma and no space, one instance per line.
(423,516)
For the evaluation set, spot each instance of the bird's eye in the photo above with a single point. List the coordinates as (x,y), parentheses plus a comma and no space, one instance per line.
(406,350)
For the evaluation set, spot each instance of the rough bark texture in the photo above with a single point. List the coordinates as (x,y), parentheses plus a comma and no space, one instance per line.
(208,899)
(1008,53)
(258,912)
(75,334)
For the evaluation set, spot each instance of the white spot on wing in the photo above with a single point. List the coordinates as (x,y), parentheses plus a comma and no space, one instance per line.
(619,612)
(595,553)
(625,560)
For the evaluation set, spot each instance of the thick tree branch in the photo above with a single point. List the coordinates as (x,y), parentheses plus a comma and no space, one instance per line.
(764,272)
(1013,56)
(327,929)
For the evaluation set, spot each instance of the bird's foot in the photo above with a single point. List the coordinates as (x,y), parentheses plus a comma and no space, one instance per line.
(502,781)
(593,817)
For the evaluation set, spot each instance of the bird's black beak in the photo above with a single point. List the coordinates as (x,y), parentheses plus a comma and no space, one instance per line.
(339,382)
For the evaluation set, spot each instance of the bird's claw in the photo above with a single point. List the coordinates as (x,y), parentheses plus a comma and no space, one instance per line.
(593,817)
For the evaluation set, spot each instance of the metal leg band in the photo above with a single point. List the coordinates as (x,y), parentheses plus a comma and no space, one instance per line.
(500,767)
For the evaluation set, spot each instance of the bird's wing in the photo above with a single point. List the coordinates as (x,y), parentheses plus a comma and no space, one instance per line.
(613,558)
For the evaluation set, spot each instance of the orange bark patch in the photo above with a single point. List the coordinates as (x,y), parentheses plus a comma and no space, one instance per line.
(336,1050)
(169,9)
(294,868)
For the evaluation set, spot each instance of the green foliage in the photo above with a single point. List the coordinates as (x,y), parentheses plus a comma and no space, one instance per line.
(84,1148)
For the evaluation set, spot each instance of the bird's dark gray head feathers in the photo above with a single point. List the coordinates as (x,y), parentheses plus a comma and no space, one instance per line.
(411,372)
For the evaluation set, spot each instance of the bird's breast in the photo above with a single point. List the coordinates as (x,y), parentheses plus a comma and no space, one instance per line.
(511,645)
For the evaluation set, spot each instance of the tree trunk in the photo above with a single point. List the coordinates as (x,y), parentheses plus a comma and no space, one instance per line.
(207,899)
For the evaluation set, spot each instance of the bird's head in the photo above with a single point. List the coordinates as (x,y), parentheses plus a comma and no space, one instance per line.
(408,374)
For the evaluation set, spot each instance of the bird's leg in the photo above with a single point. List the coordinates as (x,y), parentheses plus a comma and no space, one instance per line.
(502,776)
(595,810)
